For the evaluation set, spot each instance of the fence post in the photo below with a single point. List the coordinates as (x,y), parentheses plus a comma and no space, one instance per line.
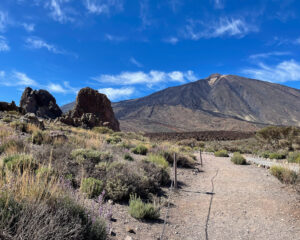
(175,171)
(201,163)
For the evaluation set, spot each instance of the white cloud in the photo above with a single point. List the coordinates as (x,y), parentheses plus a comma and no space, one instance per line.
(135,62)
(218,4)
(114,38)
(38,43)
(230,27)
(297,41)
(172,40)
(103,6)
(3,21)
(21,79)
(2,74)
(269,54)
(57,88)
(282,72)
(4,47)
(29,27)
(145,13)
(117,93)
(57,11)
(150,79)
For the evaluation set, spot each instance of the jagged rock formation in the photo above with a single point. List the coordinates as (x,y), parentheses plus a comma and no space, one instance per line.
(5,106)
(91,109)
(32,119)
(40,102)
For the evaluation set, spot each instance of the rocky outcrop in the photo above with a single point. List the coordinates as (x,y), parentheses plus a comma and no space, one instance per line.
(91,109)
(39,102)
(32,119)
(5,106)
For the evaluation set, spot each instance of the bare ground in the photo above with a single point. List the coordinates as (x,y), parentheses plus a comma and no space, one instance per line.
(226,201)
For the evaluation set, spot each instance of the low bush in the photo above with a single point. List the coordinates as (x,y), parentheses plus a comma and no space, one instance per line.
(114,140)
(140,210)
(140,149)
(91,187)
(283,174)
(238,159)
(46,173)
(277,156)
(184,160)
(128,157)
(18,162)
(38,137)
(192,143)
(265,155)
(294,157)
(103,130)
(82,155)
(158,160)
(221,153)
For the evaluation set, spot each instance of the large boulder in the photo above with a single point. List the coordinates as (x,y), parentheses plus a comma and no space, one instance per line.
(5,106)
(40,102)
(91,109)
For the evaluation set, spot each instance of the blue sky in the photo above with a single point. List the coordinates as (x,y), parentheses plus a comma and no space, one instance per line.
(131,48)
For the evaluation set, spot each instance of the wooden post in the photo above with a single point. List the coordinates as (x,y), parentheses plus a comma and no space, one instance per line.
(175,171)
(201,163)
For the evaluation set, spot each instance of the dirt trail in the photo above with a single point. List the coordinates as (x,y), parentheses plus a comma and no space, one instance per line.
(248,203)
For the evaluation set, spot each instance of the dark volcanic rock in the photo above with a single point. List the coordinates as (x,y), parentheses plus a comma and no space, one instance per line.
(91,109)
(4,106)
(32,119)
(40,102)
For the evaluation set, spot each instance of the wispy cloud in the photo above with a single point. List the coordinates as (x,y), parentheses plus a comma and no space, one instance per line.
(150,79)
(57,11)
(172,40)
(58,88)
(117,93)
(3,21)
(268,54)
(29,27)
(135,62)
(218,4)
(103,6)
(38,43)
(282,72)
(114,38)
(2,74)
(297,41)
(145,13)
(16,78)
(4,47)
(175,5)
(230,27)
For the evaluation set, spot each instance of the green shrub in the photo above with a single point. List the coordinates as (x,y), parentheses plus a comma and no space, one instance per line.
(114,140)
(140,210)
(183,159)
(82,155)
(221,153)
(265,154)
(128,157)
(140,149)
(238,159)
(283,174)
(158,160)
(294,157)
(46,172)
(277,156)
(19,162)
(91,186)
(103,130)
(38,137)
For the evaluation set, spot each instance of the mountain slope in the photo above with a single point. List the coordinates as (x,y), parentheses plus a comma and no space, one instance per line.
(224,102)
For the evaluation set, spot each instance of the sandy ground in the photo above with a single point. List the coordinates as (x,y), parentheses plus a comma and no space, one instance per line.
(225,201)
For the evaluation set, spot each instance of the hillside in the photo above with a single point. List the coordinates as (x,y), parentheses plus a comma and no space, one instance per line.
(219,102)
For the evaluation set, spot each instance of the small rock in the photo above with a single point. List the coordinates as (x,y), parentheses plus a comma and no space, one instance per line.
(111,202)
(130,229)
(128,238)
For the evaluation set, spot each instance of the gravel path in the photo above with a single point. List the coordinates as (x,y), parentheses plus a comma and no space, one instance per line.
(225,201)
(248,203)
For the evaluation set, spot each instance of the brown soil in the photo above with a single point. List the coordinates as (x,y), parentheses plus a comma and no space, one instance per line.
(201,136)
(244,202)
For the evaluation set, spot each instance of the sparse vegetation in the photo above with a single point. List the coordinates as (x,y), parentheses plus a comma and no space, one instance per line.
(140,149)
(221,153)
(128,157)
(283,174)
(158,160)
(294,157)
(238,159)
(140,210)
(91,187)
